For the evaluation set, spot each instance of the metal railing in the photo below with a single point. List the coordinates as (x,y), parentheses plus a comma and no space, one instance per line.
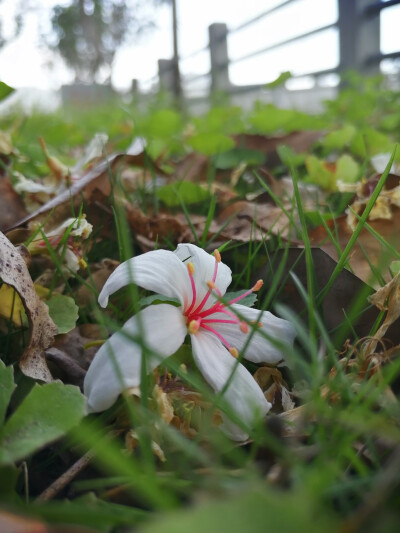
(358,27)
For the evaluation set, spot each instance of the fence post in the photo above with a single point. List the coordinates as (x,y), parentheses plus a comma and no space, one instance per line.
(359,36)
(166,74)
(218,34)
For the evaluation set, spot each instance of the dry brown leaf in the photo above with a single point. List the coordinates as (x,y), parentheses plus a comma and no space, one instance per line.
(251,221)
(386,298)
(12,207)
(299,141)
(14,272)
(337,302)
(84,186)
(12,523)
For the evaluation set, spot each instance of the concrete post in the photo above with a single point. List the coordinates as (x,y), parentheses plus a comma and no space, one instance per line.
(359,36)
(218,33)
(166,74)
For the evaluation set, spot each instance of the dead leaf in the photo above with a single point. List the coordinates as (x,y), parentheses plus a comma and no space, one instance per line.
(12,523)
(387,298)
(299,141)
(14,272)
(338,301)
(83,186)
(12,207)
(251,221)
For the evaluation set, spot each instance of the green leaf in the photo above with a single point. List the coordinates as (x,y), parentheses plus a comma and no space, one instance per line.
(46,414)
(7,387)
(64,312)
(155,299)
(185,191)
(369,142)
(233,158)
(395,267)
(227,120)
(278,511)
(347,169)
(8,481)
(339,139)
(285,153)
(89,511)
(5,90)
(211,143)
(319,174)
(248,301)
(163,123)
(280,80)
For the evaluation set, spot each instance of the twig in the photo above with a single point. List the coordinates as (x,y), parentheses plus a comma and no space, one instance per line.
(65,478)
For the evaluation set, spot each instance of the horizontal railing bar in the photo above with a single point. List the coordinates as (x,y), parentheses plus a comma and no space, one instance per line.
(195,53)
(377,7)
(260,16)
(380,57)
(195,77)
(283,43)
(314,74)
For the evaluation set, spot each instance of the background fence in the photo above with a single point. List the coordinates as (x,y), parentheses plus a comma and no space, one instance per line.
(356,32)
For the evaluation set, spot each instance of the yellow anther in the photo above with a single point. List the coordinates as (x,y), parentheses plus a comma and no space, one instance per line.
(244,327)
(258,324)
(210,284)
(190,267)
(234,352)
(193,326)
(217,256)
(258,285)
(82,263)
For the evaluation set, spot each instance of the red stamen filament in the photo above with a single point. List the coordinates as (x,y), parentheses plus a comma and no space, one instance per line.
(206,297)
(196,318)
(221,338)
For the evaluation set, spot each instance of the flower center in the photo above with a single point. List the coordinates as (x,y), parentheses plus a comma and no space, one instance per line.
(198,317)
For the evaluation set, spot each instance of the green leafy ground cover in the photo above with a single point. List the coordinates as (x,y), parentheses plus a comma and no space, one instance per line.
(269,188)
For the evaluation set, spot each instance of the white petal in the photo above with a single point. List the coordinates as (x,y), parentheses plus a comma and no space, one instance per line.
(159,271)
(164,332)
(204,264)
(243,395)
(260,349)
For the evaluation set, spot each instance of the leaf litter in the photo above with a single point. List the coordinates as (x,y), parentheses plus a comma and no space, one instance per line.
(249,194)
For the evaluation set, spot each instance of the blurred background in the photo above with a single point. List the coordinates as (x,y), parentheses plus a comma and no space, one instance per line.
(87,50)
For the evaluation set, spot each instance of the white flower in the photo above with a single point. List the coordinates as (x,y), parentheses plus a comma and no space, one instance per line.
(199,281)
(78,229)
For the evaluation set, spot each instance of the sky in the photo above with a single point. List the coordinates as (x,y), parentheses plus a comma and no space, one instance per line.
(27,63)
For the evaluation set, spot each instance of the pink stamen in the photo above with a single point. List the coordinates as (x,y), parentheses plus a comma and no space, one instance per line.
(219,320)
(190,268)
(217,256)
(221,338)
(197,317)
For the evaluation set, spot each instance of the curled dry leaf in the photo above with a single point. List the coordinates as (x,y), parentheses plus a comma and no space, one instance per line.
(14,272)
(387,298)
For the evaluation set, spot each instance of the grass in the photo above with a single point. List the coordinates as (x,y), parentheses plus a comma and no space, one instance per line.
(330,464)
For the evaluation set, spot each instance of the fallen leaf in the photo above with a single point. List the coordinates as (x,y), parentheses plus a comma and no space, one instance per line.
(386,298)
(336,306)
(14,272)
(12,207)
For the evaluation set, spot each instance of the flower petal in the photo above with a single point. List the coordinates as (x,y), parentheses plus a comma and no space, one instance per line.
(243,395)
(260,349)
(164,332)
(204,264)
(159,271)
